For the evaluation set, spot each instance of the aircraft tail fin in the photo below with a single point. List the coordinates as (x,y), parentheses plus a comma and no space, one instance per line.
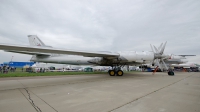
(35,41)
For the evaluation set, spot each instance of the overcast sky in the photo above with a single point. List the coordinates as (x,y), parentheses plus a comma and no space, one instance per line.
(102,25)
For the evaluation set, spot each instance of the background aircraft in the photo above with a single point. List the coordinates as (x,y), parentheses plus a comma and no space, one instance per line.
(164,62)
(48,54)
(184,65)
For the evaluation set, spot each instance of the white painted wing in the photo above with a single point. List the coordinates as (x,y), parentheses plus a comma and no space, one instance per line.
(31,53)
(24,48)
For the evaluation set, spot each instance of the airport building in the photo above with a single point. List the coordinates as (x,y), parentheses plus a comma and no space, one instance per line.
(17,64)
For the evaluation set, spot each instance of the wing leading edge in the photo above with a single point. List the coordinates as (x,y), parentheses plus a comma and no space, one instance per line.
(23,48)
(31,53)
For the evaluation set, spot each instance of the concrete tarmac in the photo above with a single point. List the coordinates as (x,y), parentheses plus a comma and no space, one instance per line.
(133,92)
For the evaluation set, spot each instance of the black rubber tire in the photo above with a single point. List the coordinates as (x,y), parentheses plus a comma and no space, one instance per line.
(111,72)
(171,73)
(120,73)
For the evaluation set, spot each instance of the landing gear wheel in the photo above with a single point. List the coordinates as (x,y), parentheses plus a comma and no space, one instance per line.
(171,73)
(111,72)
(120,73)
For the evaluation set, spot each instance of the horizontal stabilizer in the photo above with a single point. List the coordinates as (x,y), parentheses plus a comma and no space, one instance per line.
(186,55)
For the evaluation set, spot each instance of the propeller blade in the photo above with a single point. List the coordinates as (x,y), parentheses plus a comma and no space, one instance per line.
(164,64)
(155,49)
(152,48)
(163,48)
(160,46)
(158,63)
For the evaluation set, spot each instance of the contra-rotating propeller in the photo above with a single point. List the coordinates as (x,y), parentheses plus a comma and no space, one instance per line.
(159,56)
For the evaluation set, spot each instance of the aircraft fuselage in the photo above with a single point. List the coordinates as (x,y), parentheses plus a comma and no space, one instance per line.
(126,57)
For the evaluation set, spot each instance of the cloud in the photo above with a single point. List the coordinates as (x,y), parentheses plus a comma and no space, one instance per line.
(113,25)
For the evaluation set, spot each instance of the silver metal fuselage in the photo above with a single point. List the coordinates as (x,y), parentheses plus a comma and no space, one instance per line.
(63,59)
(126,57)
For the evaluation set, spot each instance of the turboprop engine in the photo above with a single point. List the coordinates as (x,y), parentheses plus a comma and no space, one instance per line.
(125,58)
(131,57)
(159,56)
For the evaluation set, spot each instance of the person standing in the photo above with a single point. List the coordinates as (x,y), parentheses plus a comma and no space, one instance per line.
(4,67)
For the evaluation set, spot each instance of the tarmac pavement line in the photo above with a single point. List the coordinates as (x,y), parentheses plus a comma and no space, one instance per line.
(38,104)
(14,101)
(183,96)
(138,92)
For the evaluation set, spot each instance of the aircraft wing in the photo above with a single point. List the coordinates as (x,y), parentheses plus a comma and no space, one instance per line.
(25,49)
(30,53)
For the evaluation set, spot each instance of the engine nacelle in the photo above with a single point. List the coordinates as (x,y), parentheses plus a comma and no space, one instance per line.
(124,58)
(103,61)
(133,56)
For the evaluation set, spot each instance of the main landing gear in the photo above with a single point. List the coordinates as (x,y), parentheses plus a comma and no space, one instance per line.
(116,71)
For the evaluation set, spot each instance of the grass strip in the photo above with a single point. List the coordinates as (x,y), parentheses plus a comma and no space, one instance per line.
(26,74)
